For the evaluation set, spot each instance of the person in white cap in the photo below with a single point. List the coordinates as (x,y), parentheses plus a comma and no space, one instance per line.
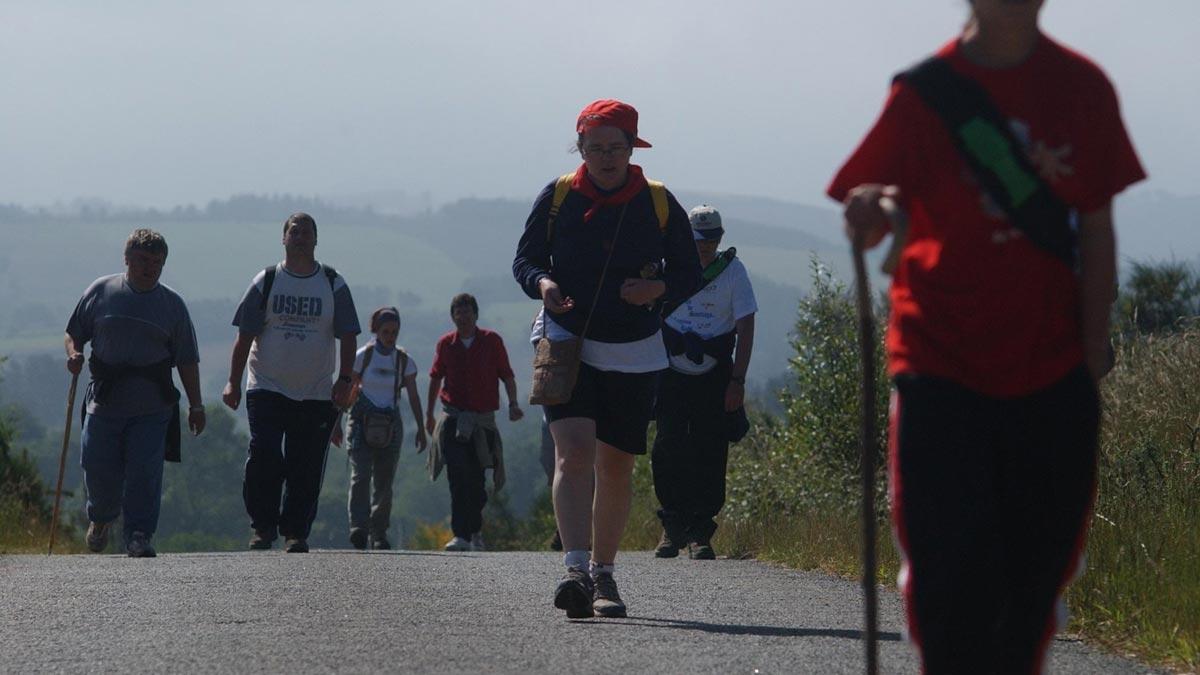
(709,338)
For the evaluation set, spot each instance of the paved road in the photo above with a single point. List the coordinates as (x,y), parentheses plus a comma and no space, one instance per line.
(438,612)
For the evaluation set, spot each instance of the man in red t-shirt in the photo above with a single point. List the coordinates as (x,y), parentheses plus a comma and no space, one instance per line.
(995,342)
(467,363)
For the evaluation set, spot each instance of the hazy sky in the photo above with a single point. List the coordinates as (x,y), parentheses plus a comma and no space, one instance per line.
(163,103)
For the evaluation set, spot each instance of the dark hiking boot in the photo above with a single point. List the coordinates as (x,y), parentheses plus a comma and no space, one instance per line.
(97,536)
(358,538)
(574,594)
(555,543)
(139,546)
(296,546)
(381,544)
(667,547)
(606,601)
(261,541)
(701,550)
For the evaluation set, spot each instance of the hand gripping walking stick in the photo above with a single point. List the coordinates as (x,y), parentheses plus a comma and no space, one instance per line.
(62,460)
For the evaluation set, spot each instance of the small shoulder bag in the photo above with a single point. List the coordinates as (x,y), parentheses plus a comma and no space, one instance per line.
(379,426)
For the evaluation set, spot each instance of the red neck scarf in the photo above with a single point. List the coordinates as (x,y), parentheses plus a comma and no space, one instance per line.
(635,182)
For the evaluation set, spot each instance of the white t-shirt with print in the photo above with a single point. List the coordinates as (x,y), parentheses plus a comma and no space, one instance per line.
(379,379)
(294,346)
(713,311)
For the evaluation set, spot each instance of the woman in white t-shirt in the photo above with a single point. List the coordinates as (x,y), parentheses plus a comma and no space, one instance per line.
(375,430)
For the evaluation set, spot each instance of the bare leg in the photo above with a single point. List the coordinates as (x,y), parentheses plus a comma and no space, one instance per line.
(574,479)
(614,495)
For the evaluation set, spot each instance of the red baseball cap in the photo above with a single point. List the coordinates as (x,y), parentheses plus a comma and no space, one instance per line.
(608,112)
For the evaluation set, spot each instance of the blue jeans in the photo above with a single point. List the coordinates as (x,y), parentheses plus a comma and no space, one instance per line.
(122,462)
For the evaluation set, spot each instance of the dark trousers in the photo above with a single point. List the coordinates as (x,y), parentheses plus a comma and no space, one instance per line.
(465,474)
(690,452)
(991,500)
(289,441)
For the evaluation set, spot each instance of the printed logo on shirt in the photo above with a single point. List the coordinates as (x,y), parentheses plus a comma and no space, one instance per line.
(297,315)
(1051,164)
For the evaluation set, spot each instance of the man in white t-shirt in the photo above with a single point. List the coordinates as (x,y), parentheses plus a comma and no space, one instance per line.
(288,322)
(709,339)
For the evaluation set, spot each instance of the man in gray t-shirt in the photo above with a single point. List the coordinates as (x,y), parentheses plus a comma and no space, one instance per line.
(139,330)
(288,322)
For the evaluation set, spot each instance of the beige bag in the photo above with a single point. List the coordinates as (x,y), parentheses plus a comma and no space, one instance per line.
(556,364)
(555,370)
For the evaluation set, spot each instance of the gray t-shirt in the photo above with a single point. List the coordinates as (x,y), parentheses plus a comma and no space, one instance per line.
(135,328)
(294,332)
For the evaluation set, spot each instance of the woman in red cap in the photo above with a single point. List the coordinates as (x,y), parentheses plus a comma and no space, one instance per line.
(603,257)
(1003,153)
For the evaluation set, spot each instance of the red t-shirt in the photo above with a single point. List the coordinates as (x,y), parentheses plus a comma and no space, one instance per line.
(972,299)
(471,375)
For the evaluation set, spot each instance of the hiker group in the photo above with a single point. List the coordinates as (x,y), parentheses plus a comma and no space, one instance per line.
(993,164)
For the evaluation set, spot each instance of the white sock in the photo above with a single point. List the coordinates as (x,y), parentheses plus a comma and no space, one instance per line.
(577,559)
(601,568)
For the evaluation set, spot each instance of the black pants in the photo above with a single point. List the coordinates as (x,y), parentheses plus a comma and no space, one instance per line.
(690,452)
(288,444)
(468,495)
(991,500)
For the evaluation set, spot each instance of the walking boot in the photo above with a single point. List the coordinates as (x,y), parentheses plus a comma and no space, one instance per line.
(667,547)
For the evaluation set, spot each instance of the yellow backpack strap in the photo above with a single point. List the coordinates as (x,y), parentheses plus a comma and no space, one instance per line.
(561,187)
(658,193)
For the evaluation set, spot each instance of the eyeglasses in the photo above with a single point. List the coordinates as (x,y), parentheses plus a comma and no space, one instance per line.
(614,150)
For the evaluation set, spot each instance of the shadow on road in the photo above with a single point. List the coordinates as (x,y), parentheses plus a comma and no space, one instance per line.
(733,629)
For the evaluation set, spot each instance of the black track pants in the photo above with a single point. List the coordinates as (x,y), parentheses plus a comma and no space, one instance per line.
(690,451)
(991,500)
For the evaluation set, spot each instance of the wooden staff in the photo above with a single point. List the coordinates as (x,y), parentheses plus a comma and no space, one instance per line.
(62,460)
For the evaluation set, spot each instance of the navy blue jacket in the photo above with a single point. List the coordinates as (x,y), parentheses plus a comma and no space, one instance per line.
(575,258)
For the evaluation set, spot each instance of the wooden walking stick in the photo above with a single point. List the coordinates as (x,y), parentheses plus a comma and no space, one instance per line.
(62,459)
(866,344)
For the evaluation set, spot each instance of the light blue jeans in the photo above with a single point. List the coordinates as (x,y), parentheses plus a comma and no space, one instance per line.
(122,462)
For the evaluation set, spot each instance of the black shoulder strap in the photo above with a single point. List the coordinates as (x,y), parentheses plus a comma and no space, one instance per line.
(330,274)
(983,137)
(268,281)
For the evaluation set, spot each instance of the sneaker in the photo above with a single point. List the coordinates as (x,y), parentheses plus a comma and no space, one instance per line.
(358,538)
(261,541)
(606,601)
(381,544)
(97,536)
(574,594)
(555,542)
(139,546)
(458,544)
(296,546)
(701,550)
(667,547)
(477,542)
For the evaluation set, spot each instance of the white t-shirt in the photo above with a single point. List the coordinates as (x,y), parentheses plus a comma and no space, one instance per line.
(380,376)
(293,350)
(640,356)
(713,311)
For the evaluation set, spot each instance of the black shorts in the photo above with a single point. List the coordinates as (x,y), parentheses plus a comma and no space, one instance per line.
(620,403)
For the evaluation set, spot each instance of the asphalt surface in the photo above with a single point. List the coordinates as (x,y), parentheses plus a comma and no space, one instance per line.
(407,611)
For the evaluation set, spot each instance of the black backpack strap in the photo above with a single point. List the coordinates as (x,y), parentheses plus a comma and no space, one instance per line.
(983,138)
(268,282)
(330,274)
